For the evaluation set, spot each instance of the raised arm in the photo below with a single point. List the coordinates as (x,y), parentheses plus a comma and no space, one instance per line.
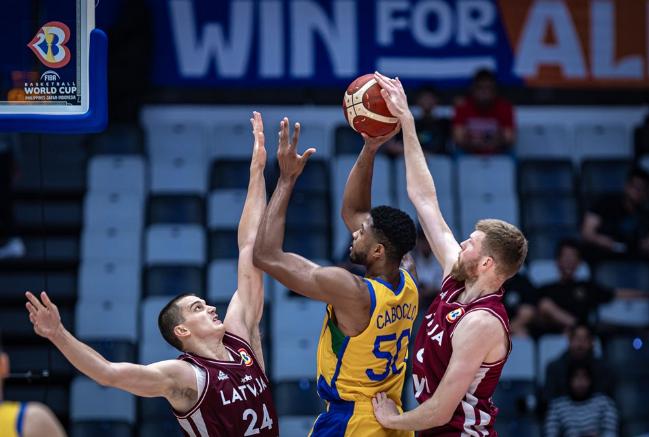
(421,187)
(478,338)
(247,305)
(357,199)
(173,379)
(328,284)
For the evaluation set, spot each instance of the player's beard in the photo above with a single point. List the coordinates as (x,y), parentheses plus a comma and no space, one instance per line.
(463,271)
(357,257)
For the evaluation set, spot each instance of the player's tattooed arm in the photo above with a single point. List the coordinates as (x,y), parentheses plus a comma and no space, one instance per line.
(158,379)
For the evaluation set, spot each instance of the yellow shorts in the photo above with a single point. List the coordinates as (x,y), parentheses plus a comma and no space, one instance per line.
(352,419)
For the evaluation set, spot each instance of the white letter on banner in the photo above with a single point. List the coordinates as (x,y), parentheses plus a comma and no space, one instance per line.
(476,26)
(534,52)
(444,23)
(339,37)
(386,23)
(194,55)
(602,39)
(271,39)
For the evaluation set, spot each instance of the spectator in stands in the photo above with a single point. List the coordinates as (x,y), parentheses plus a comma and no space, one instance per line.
(24,419)
(568,301)
(618,225)
(428,270)
(10,245)
(484,121)
(583,412)
(581,350)
(433,131)
(521,298)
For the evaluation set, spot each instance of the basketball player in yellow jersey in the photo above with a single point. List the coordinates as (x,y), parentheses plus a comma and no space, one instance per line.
(368,323)
(24,419)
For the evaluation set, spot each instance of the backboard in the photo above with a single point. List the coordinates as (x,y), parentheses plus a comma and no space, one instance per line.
(51,69)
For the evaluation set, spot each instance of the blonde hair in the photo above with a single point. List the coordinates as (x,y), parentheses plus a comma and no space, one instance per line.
(505,243)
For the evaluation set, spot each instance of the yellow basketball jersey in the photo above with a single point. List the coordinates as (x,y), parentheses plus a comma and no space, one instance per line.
(11,418)
(357,368)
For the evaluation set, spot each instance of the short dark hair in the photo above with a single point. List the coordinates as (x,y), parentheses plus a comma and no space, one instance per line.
(580,325)
(638,172)
(567,242)
(171,316)
(395,230)
(484,74)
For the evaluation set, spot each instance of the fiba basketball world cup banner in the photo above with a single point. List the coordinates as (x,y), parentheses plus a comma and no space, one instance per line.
(571,43)
(41,52)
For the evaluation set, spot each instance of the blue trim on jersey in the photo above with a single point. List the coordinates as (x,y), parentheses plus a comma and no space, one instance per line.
(19,419)
(402,282)
(334,422)
(370,287)
(329,392)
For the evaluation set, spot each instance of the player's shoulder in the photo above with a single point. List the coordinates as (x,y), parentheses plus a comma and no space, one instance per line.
(480,320)
(38,419)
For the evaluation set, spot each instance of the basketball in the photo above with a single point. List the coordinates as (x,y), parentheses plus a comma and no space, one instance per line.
(365,109)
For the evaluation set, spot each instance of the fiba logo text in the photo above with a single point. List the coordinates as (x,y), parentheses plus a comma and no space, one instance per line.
(49,44)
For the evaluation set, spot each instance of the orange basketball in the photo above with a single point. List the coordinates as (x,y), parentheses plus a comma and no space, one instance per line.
(365,109)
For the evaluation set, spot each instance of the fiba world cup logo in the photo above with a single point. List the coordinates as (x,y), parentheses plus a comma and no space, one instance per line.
(49,44)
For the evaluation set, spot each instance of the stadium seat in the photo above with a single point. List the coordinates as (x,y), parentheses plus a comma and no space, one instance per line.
(347,141)
(602,177)
(311,244)
(222,280)
(176,209)
(122,210)
(111,243)
(551,347)
(175,245)
(544,176)
(118,139)
(624,353)
(54,394)
(644,163)
(602,141)
(15,324)
(106,318)
(481,175)
(63,159)
(59,248)
(520,364)
(25,358)
(224,245)
(160,427)
(117,174)
(297,322)
(90,401)
(178,175)
(625,313)
(543,141)
(308,210)
(61,285)
(314,178)
(225,207)
(231,140)
(623,274)
(58,215)
(544,271)
(230,173)
(170,280)
(549,210)
(115,350)
(297,398)
(542,243)
(478,207)
(167,141)
(109,279)
(442,169)
(296,426)
(95,428)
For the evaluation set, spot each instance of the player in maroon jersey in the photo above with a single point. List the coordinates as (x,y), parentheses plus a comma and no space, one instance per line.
(218,386)
(463,344)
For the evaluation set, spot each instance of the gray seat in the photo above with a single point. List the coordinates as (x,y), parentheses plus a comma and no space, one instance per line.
(90,401)
(480,175)
(115,279)
(477,207)
(603,140)
(222,280)
(225,207)
(111,243)
(117,174)
(175,245)
(106,318)
(122,210)
(543,141)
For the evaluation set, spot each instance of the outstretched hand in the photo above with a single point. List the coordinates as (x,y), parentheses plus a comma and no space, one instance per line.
(258,150)
(384,409)
(44,316)
(291,163)
(394,95)
(373,143)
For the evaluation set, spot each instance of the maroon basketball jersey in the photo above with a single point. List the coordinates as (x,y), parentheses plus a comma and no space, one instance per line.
(433,348)
(236,399)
